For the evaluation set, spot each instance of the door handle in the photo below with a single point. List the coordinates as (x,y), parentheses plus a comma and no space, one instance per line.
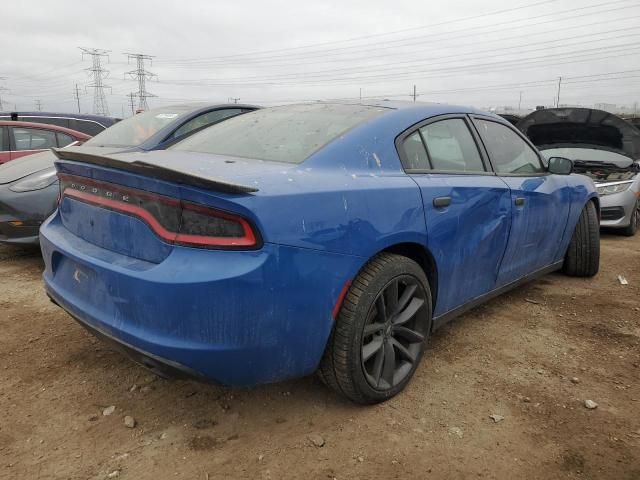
(519,201)
(441,202)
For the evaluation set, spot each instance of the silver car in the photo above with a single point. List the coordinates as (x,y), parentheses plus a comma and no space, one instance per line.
(603,147)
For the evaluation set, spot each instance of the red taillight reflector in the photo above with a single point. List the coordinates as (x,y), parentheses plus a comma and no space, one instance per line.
(343,293)
(175,221)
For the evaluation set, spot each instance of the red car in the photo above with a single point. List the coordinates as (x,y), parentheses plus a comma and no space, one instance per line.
(18,139)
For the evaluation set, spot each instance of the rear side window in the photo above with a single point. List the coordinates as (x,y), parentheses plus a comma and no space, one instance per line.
(4,140)
(451,146)
(33,138)
(64,140)
(415,153)
(205,119)
(281,134)
(509,153)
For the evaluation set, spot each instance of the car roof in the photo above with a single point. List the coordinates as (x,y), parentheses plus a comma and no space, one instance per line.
(45,126)
(79,116)
(410,105)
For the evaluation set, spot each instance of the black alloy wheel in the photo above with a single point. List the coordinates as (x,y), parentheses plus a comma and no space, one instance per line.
(394,332)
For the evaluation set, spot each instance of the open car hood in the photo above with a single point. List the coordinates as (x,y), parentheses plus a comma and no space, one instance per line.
(581,128)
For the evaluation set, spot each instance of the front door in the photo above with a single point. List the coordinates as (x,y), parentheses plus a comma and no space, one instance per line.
(540,201)
(467,208)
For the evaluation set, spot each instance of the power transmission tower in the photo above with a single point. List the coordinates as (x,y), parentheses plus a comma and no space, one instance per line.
(76,95)
(233,99)
(38,105)
(132,102)
(98,74)
(142,76)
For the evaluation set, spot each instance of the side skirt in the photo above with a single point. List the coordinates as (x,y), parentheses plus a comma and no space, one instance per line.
(456,312)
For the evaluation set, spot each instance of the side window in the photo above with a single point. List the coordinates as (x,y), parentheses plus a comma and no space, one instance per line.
(451,146)
(88,127)
(64,140)
(509,153)
(33,138)
(205,119)
(4,139)
(415,153)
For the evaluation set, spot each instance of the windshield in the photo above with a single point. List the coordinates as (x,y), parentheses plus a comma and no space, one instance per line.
(136,130)
(281,134)
(588,155)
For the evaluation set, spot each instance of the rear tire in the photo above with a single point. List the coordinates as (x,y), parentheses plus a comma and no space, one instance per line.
(631,230)
(381,331)
(583,255)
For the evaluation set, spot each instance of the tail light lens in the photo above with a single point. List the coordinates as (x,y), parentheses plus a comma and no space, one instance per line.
(175,221)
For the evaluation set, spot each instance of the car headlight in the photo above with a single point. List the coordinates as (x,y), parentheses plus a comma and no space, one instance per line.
(615,188)
(35,181)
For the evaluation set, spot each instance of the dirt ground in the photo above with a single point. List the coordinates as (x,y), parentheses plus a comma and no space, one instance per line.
(532,356)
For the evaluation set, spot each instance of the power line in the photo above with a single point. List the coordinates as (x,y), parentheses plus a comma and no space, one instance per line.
(100,106)
(378,35)
(376,46)
(142,76)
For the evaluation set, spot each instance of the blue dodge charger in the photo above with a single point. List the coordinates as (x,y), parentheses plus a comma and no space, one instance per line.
(316,237)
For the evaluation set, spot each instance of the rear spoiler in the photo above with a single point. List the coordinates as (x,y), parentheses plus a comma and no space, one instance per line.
(154,171)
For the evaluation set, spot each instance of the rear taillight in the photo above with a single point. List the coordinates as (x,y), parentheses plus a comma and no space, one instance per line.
(175,221)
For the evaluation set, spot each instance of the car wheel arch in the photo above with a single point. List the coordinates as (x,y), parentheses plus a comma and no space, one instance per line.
(419,254)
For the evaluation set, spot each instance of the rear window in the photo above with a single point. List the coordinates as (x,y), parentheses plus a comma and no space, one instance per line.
(136,130)
(281,134)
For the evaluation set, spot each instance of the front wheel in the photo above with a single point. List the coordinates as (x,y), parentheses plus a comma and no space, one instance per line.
(583,255)
(381,331)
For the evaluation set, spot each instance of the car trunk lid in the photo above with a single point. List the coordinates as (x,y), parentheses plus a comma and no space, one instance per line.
(143,205)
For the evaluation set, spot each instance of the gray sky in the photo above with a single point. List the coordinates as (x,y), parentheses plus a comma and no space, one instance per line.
(268,52)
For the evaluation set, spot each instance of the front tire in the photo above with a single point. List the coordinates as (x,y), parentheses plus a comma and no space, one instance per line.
(381,331)
(583,255)
(632,228)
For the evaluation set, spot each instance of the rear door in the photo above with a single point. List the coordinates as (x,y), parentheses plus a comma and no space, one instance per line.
(540,201)
(467,207)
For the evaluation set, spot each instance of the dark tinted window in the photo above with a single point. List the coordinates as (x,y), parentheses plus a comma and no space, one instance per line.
(282,134)
(60,122)
(451,146)
(415,153)
(508,151)
(205,119)
(88,127)
(33,138)
(64,140)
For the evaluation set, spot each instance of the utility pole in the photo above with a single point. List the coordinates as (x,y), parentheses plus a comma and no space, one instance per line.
(76,95)
(520,102)
(38,105)
(98,74)
(558,97)
(132,102)
(2,89)
(414,93)
(234,99)
(142,76)
(360,93)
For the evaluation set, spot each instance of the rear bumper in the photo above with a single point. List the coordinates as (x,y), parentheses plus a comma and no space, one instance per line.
(160,366)
(232,317)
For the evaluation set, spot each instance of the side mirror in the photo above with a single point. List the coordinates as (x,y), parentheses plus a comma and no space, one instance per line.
(560,165)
